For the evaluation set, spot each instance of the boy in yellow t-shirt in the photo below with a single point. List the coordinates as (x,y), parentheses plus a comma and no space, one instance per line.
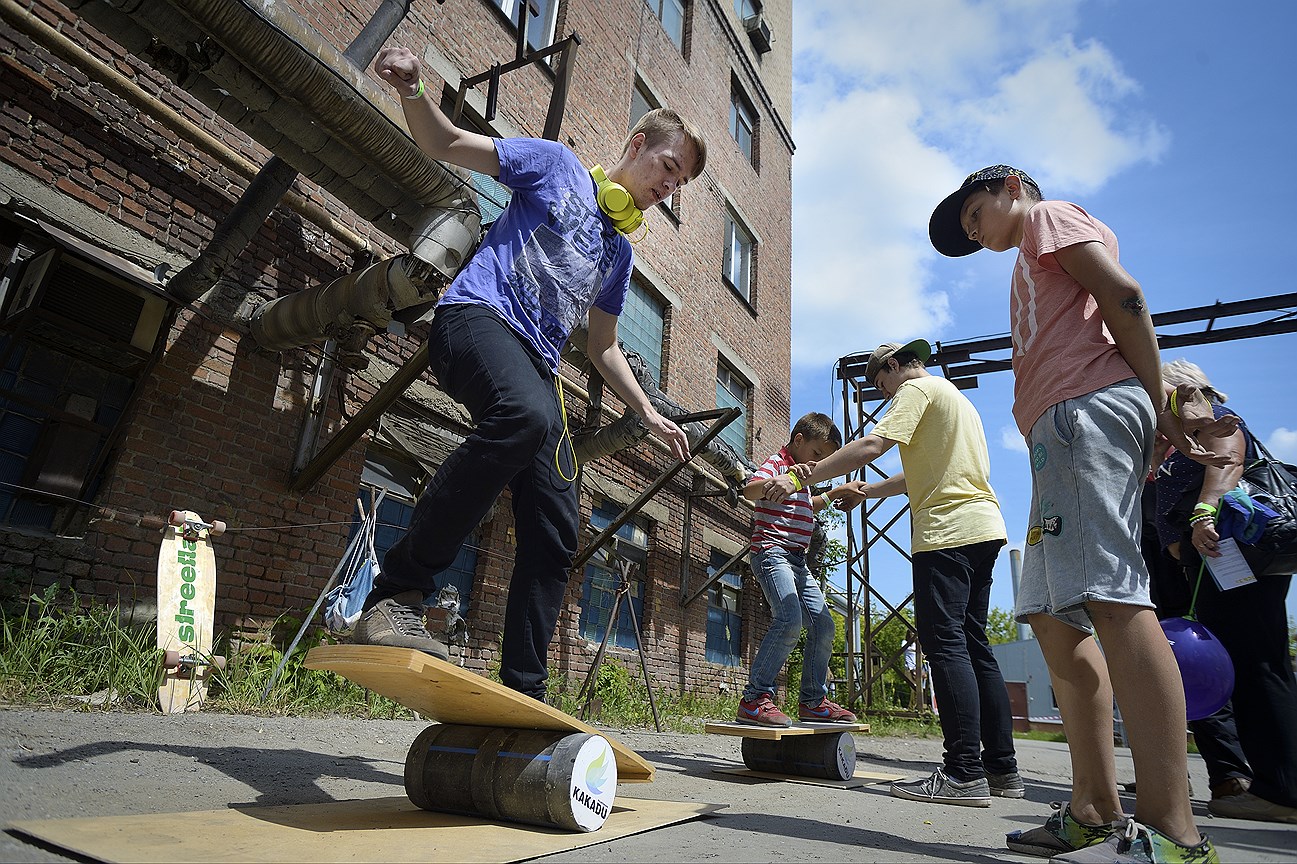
(957,535)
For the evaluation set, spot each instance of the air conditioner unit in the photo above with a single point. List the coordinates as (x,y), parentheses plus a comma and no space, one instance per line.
(83,310)
(758,32)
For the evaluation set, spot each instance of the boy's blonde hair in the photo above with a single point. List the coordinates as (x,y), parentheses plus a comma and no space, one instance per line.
(817,427)
(660,124)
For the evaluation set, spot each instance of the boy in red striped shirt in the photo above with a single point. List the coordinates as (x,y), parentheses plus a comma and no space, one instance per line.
(781,531)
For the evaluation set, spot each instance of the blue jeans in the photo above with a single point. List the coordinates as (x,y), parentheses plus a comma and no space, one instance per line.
(952,593)
(510,393)
(795,601)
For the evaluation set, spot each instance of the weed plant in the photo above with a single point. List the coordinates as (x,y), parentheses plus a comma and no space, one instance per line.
(56,653)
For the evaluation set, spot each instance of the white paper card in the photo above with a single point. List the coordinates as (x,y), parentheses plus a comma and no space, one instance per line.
(1230,570)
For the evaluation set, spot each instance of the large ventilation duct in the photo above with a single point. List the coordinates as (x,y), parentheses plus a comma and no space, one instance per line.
(268,72)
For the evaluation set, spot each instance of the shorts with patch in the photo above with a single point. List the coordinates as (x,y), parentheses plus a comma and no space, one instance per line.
(1089,457)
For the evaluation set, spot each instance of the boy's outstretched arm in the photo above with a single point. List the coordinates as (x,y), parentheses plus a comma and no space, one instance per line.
(605,354)
(849,457)
(1121,303)
(432,130)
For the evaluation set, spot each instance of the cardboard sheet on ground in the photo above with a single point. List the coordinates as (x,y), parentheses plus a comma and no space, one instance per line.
(862,777)
(381,829)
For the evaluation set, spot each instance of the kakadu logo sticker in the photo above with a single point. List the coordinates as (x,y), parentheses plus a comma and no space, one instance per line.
(594,783)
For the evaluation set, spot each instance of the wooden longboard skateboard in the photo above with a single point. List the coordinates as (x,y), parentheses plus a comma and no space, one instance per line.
(186,610)
(446,693)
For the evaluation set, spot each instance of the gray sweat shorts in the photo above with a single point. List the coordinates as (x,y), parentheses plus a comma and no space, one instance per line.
(1089,458)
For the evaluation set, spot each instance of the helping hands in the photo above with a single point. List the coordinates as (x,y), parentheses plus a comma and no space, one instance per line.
(401,68)
(778,488)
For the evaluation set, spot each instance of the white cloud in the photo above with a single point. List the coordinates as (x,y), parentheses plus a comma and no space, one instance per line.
(1282,444)
(1011,439)
(895,102)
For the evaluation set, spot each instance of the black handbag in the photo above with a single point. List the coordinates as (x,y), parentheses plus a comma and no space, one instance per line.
(1273,483)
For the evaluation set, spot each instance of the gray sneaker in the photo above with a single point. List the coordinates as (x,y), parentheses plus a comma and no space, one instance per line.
(940,789)
(397,622)
(1006,785)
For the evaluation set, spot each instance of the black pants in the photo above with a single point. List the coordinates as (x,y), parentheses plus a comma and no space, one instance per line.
(1251,622)
(952,595)
(509,392)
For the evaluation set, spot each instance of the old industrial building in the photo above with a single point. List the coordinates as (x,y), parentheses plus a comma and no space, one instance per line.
(217,239)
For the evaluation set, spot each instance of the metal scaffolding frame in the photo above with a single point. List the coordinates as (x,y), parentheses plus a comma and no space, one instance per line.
(962,362)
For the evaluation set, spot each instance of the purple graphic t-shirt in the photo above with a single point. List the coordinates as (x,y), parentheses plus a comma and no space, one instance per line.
(551,255)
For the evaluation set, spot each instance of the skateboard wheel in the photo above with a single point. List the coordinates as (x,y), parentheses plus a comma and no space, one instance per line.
(218,661)
(170,658)
(177,517)
(218,527)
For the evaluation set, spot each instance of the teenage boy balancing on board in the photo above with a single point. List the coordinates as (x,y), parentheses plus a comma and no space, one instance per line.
(555,254)
(1088,398)
(781,531)
(956,536)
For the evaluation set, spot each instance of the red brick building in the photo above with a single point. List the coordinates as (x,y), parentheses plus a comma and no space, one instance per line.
(132,380)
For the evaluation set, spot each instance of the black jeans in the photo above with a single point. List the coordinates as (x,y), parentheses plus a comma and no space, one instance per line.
(509,391)
(1252,623)
(952,594)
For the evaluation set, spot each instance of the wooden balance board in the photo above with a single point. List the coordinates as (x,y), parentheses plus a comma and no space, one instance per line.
(444,692)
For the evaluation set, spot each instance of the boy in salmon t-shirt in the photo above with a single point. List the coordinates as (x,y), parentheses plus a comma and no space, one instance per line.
(1088,399)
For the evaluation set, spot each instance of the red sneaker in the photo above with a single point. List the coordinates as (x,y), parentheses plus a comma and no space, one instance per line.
(825,712)
(761,711)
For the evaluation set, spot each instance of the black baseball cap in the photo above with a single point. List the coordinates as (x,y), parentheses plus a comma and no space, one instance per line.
(944,230)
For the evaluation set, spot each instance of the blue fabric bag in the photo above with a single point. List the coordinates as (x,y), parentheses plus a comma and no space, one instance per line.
(343,602)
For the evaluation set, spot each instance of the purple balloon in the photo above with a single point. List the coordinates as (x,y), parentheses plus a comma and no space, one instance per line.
(1205,667)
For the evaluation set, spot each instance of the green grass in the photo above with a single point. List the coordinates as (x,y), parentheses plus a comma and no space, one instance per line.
(67,654)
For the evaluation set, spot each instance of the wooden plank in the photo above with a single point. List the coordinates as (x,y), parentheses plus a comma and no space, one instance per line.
(384,829)
(862,777)
(774,733)
(446,693)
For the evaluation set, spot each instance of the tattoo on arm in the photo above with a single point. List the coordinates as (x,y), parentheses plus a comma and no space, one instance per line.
(1133,305)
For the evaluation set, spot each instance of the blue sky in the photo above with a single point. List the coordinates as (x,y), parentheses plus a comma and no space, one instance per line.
(1172,123)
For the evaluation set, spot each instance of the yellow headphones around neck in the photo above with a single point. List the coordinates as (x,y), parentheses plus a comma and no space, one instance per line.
(616,202)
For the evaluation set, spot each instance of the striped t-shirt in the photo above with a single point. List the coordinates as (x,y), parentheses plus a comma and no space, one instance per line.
(787,523)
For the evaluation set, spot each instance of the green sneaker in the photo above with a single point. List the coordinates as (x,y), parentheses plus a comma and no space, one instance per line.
(1060,834)
(1134,843)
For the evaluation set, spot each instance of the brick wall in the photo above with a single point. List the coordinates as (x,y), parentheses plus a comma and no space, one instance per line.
(217,420)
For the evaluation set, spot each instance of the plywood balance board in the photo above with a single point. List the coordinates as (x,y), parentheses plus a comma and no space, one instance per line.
(446,693)
(775,733)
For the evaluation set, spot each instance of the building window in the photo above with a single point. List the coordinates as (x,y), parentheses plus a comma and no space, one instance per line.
(745,9)
(492,196)
(724,618)
(74,343)
(642,325)
(540,26)
(640,104)
(743,123)
(732,391)
(672,15)
(736,265)
(603,579)
(401,482)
